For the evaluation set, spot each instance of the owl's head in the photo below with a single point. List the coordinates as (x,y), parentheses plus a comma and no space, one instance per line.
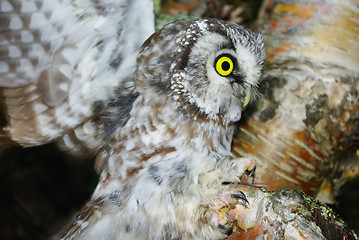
(211,68)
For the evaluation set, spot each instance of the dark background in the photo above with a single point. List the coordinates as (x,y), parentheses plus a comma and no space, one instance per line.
(41,188)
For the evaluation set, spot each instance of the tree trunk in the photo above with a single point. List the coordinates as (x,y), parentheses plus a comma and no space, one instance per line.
(284,214)
(304,132)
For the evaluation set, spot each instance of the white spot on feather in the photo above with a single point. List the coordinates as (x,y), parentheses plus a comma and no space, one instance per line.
(37,19)
(39,107)
(68,142)
(44,119)
(26,65)
(15,23)
(202,26)
(37,50)
(28,7)
(26,37)
(4,67)
(82,224)
(66,70)
(64,86)
(14,52)
(70,54)
(5,6)
(89,128)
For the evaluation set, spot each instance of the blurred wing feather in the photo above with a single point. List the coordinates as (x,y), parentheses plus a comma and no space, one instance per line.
(60,58)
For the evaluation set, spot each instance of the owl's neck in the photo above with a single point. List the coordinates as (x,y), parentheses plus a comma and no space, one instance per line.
(213,137)
(167,122)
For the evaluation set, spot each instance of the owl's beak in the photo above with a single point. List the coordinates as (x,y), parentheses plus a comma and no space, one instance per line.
(247,97)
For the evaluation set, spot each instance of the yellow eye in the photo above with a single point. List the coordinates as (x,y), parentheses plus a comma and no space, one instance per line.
(224,66)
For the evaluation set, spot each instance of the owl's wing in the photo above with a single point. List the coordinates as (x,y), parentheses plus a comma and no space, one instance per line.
(86,217)
(61,59)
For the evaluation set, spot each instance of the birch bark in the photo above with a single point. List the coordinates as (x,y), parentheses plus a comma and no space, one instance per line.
(304,132)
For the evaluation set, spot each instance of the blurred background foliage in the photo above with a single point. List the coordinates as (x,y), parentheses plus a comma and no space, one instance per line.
(43,187)
(239,11)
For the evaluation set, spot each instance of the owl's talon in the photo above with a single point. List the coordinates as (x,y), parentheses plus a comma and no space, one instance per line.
(225,227)
(240,195)
(248,175)
(228,228)
(224,204)
(250,172)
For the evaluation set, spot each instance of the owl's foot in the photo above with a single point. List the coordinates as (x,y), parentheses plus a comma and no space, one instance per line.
(248,176)
(230,171)
(238,170)
(222,207)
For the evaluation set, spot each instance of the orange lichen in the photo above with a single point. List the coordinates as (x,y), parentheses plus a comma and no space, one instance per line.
(299,11)
(273,52)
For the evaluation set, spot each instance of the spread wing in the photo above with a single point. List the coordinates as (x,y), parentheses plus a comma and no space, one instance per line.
(61,60)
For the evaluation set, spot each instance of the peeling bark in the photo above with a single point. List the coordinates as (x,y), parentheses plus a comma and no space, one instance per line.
(304,132)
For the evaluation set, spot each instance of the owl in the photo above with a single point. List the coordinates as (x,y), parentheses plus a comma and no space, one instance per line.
(165,169)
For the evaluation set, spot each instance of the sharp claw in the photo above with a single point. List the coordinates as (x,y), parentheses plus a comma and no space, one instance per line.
(224,215)
(250,173)
(222,226)
(229,229)
(241,195)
